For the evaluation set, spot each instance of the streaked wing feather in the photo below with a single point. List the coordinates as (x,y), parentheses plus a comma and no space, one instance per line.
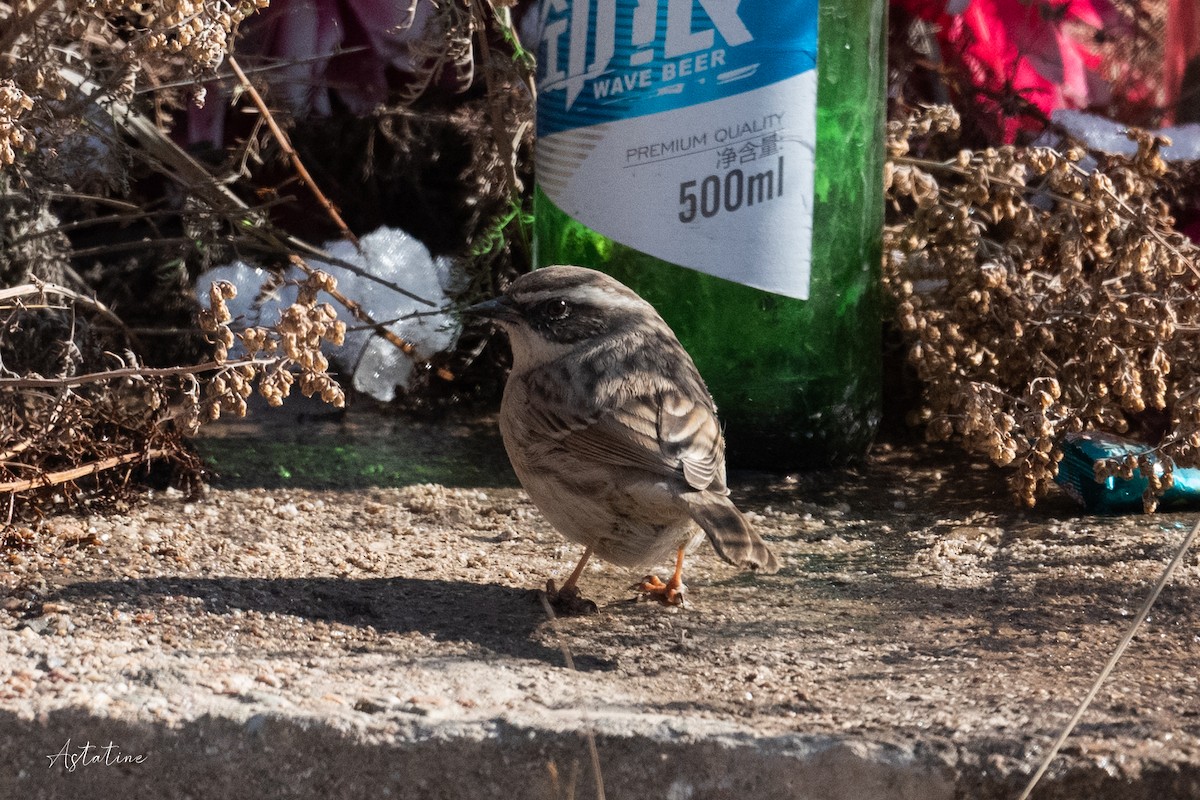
(624,437)
(666,433)
(689,432)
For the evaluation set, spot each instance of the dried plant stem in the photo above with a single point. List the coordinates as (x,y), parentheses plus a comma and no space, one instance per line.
(952,168)
(156,147)
(42,288)
(64,227)
(288,246)
(1132,215)
(593,751)
(278,64)
(507,147)
(112,202)
(72,381)
(357,311)
(144,244)
(286,145)
(173,161)
(1122,646)
(23,24)
(83,470)
(15,450)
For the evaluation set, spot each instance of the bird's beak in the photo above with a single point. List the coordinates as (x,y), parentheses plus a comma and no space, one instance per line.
(498,309)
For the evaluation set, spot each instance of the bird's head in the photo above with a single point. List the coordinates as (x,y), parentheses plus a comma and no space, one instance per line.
(553,311)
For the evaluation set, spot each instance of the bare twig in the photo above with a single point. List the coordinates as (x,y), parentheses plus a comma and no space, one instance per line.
(507,148)
(95,198)
(20,25)
(15,450)
(171,159)
(41,288)
(289,247)
(286,145)
(72,381)
(91,468)
(362,316)
(1122,646)
(174,162)
(406,347)
(277,64)
(593,751)
(139,244)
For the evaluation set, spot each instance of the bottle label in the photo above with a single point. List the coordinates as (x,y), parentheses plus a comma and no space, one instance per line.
(685,129)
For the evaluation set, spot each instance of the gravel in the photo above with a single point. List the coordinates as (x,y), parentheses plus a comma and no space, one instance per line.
(923,639)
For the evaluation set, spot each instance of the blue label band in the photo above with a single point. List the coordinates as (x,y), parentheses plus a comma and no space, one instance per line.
(607,60)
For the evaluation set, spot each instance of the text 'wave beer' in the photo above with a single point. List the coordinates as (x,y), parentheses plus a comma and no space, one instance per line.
(724,159)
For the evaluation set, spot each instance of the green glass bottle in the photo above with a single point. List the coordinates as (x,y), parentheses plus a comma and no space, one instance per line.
(675,152)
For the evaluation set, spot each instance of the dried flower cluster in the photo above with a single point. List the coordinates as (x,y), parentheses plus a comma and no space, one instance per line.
(119,45)
(274,355)
(78,410)
(13,136)
(89,93)
(194,29)
(1038,298)
(73,414)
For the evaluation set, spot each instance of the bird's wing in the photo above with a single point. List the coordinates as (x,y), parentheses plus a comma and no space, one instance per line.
(667,432)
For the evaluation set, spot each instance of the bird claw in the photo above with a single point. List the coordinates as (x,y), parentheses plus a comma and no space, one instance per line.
(568,602)
(670,593)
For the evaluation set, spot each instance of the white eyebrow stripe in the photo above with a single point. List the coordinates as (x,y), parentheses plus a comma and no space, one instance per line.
(594,295)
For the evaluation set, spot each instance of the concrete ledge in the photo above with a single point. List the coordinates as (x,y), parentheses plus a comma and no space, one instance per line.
(270,756)
(923,640)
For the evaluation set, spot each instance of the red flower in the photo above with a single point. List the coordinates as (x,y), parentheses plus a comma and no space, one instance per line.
(1023,48)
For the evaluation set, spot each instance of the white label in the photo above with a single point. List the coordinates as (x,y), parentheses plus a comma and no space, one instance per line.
(685,129)
(723,187)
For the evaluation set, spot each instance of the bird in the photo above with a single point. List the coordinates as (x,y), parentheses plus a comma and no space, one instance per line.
(612,431)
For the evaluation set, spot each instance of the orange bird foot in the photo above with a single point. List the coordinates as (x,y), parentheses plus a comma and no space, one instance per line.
(568,602)
(669,593)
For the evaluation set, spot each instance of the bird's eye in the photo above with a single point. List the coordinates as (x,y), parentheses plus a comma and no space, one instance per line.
(558,309)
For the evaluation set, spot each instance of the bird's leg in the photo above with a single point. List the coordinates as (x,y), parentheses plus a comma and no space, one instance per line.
(670,592)
(569,586)
(567,600)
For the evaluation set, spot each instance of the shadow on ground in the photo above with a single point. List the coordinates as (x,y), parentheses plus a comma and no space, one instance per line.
(498,618)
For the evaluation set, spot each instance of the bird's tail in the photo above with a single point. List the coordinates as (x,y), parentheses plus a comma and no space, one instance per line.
(730,532)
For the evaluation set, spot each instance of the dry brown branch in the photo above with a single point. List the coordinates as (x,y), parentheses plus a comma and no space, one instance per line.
(28,289)
(19,25)
(357,311)
(285,144)
(75,381)
(43,288)
(1039,299)
(75,473)
(15,450)
(155,146)
(195,178)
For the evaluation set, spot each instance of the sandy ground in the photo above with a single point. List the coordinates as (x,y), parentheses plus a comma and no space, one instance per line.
(918,614)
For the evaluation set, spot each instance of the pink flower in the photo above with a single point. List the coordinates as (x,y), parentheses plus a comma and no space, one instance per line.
(318,53)
(1022,47)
